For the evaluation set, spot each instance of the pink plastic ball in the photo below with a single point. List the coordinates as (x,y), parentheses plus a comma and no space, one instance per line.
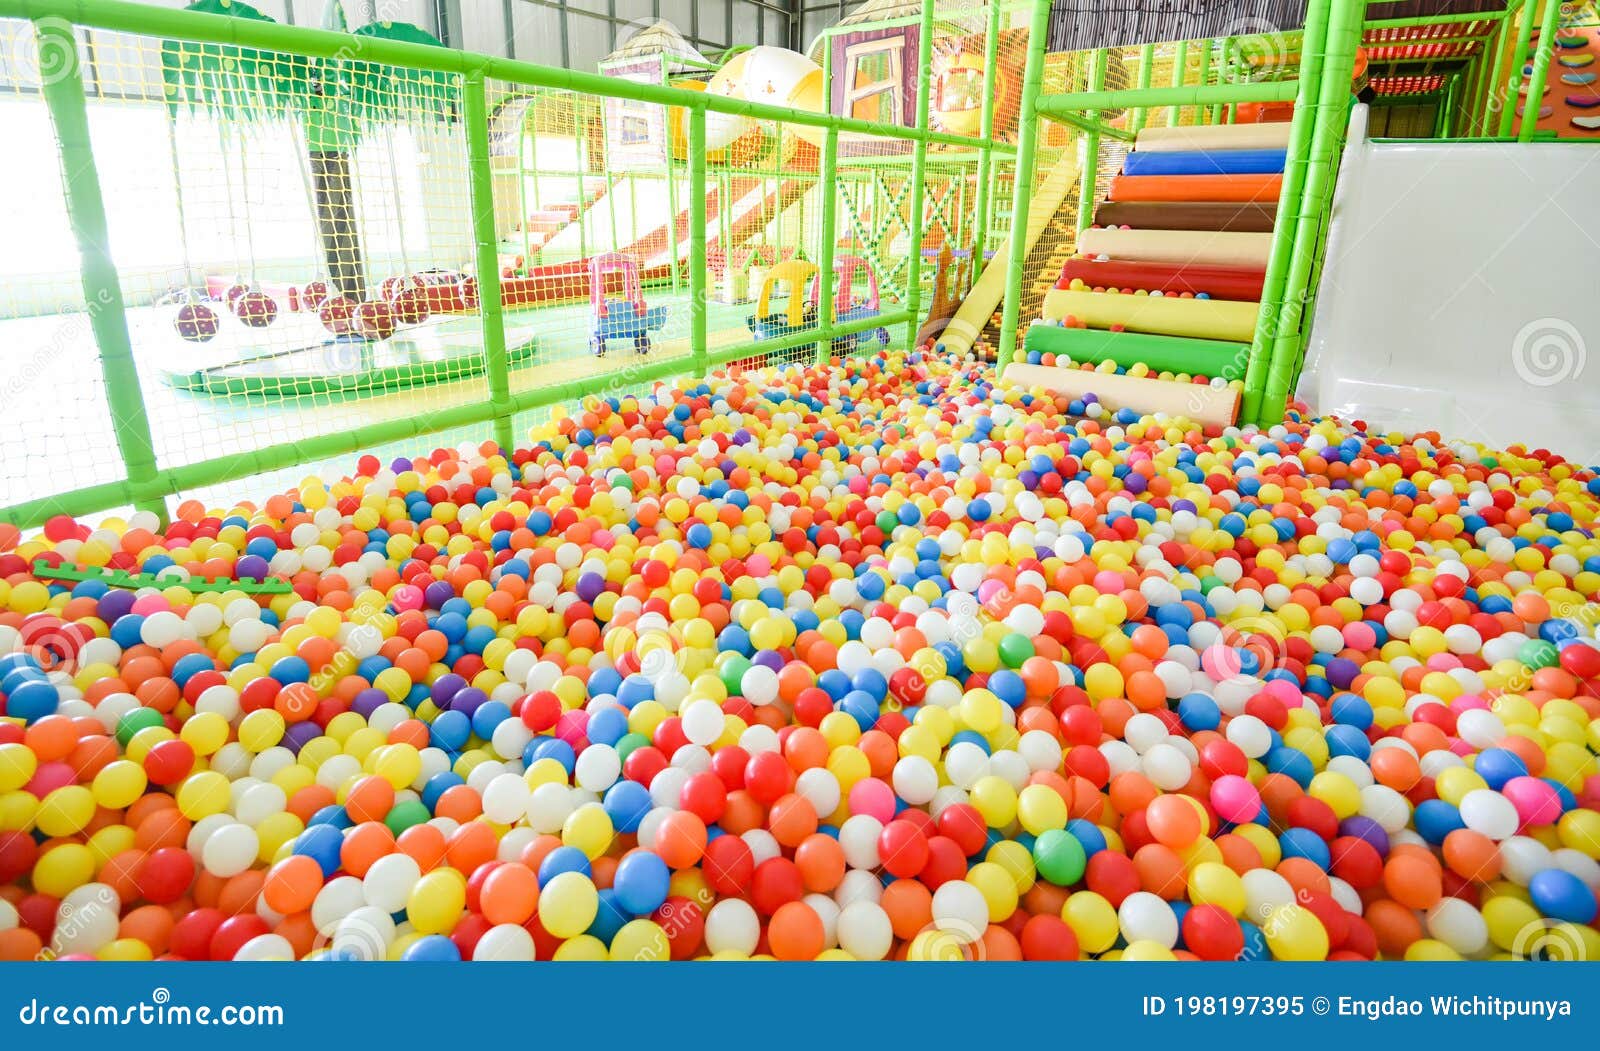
(1537,802)
(407,597)
(872,797)
(1235,799)
(145,605)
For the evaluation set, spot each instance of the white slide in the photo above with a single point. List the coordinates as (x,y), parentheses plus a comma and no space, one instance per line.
(1461,293)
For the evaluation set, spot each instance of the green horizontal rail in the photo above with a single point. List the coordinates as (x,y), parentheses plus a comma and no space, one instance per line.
(217,470)
(145,20)
(1433,20)
(1094,127)
(1053,106)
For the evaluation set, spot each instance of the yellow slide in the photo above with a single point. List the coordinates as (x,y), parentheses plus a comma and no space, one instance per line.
(990,288)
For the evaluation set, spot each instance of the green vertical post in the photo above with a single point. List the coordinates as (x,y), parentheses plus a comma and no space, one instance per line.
(1519,55)
(697,240)
(1201,114)
(611,198)
(1312,56)
(581,162)
(475,120)
(985,200)
(826,186)
(919,161)
(102,288)
(674,267)
(1180,70)
(1022,184)
(1447,107)
(1091,146)
(1332,114)
(1484,89)
(1147,59)
(1472,88)
(1541,70)
(1500,88)
(1225,75)
(1493,76)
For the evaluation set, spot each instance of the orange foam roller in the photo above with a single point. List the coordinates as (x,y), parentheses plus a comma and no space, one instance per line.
(1231,188)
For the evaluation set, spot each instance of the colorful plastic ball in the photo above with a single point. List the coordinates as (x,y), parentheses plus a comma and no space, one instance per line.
(1059,856)
(1560,895)
(641,881)
(1235,799)
(568,904)
(1295,933)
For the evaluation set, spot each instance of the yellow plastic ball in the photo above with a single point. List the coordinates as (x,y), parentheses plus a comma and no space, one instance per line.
(1093,920)
(589,829)
(203,794)
(998,888)
(640,941)
(1212,883)
(118,784)
(437,901)
(568,904)
(63,869)
(1295,933)
(995,800)
(1040,808)
(17,766)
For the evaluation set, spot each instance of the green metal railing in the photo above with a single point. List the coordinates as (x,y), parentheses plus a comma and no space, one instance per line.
(146,484)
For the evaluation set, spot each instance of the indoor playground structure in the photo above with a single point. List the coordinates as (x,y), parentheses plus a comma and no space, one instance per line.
(1064,484)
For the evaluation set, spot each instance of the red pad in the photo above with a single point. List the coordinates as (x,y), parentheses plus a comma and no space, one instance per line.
(1220,282)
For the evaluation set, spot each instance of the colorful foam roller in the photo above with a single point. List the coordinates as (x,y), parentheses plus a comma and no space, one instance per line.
(1159,315)
(1211,406)
(1205,162)
(1219,282)
(1181,247)
(1196,187)
(1214,137)
(1244,217)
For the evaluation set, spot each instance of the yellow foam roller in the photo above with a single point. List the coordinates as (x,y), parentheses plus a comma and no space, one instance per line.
(1161,315)
(1180,247)
(1214,137)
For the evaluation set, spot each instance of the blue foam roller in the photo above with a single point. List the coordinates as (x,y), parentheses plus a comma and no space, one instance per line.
(1204,162)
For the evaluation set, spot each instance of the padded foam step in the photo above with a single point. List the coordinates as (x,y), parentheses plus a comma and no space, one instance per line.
(1219,282)
(1196,357)
(1189,215)
(1232,188)
(1210,406)
(1205,162)
(1219,319)
(1213,137)
(1181,247)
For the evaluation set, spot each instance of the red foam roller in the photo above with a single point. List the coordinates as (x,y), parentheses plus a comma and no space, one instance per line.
(1220,282)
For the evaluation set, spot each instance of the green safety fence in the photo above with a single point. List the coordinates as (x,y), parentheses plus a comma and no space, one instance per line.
(292,172)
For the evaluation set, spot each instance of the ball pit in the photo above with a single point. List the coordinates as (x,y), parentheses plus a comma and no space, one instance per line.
(866,662)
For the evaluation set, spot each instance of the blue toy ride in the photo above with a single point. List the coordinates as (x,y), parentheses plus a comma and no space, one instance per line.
(624,316)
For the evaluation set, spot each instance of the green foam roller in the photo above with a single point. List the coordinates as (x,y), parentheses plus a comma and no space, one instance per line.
(121,578)
(1206,357)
